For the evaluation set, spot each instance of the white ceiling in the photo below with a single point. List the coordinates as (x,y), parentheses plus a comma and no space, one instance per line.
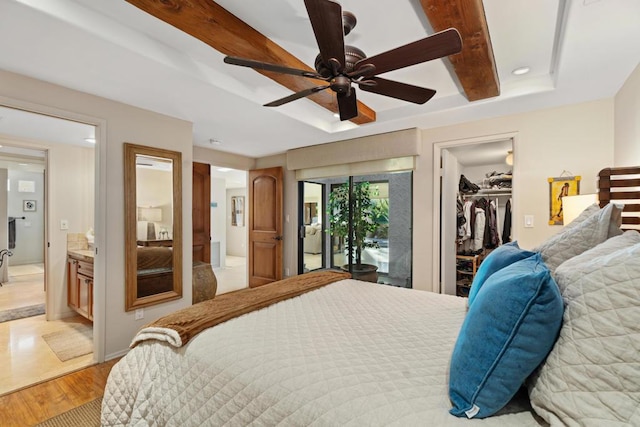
(578,50)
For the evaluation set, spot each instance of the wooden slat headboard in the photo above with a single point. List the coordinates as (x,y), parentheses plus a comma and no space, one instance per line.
(622,185)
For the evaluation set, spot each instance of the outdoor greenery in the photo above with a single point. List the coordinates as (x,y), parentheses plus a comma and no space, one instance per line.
(370,216)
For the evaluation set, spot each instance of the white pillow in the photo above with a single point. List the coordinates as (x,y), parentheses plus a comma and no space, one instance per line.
(592,375)
(577,238)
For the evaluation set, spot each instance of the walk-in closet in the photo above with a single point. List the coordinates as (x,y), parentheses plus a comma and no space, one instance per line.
(476,212)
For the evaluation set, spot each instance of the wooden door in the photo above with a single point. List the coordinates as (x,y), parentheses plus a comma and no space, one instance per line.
(201,212)
(265,226)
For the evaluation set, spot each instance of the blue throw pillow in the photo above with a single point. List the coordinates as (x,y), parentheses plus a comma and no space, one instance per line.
(498,259)
(508,332)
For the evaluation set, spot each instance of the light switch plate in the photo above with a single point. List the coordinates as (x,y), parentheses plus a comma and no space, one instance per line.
(139,314)
(528,221)
(64,224)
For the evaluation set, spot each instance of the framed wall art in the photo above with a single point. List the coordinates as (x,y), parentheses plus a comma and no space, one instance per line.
(237,211)
(559,188)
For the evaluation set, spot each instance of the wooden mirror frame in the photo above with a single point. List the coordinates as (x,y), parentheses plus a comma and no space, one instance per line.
(132,301)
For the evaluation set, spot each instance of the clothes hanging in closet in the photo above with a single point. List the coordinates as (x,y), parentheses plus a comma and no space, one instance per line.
(491,239)
(479,229)
(506,230)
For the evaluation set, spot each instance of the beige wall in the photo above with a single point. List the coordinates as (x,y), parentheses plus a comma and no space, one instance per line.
(576,138)
(236,235)
(71,170)
(627,122)
(119,123)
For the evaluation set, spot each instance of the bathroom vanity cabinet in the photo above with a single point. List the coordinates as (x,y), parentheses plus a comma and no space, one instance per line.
(80,282)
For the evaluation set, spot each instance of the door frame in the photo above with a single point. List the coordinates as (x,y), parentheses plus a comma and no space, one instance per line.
(100,206)
(437,173)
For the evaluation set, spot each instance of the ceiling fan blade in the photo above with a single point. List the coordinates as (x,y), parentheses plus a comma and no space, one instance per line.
(270,67)
(435,46)
(403,91)
(295,96)
(348,105)
(326,20)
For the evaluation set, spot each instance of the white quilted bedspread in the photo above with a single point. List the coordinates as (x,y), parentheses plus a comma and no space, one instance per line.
(351,353)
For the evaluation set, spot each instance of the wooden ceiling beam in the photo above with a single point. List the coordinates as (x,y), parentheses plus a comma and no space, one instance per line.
(475,65)
(212,24)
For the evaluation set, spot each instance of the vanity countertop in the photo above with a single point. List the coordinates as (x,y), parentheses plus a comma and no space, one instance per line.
(83,254)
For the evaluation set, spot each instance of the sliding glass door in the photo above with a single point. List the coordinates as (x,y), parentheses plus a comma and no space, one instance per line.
(365,225)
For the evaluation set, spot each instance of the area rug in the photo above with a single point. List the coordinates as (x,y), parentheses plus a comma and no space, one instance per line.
(22,312)
(87,415)
(71,343)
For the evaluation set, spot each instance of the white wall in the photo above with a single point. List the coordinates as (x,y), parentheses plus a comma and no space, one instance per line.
(627,122)
(122,123)
(218,220)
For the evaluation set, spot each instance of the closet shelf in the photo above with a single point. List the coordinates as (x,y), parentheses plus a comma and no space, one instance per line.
(492,192)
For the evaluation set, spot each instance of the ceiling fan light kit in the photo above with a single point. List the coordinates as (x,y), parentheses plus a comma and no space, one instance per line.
(341,66)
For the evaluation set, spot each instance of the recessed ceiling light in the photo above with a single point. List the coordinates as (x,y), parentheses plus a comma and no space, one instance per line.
(223,169)
(23,164)
(91,140)
(520,71)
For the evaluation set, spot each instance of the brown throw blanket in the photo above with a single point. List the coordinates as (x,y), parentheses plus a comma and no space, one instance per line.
(179,327)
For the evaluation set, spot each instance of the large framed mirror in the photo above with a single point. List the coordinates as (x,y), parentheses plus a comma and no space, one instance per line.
(153,225)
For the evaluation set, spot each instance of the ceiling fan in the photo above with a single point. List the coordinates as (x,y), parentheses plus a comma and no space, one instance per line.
(340,66)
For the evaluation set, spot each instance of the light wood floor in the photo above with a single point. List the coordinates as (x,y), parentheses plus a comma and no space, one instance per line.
(38,403)
(25,357)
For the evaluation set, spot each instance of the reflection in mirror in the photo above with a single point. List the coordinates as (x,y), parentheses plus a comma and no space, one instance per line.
(153,225)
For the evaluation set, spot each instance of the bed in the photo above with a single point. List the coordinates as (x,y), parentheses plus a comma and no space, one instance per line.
(322,349)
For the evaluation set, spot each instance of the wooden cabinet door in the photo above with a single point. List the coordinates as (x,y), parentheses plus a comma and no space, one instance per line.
(265,226)
(85,295)
(72,283)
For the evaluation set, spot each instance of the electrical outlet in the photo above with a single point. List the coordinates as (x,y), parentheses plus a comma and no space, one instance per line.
(139,314)
(286,271)
(64,224)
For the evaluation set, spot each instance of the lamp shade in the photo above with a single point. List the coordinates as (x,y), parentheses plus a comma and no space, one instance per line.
(150,214)
(572,206)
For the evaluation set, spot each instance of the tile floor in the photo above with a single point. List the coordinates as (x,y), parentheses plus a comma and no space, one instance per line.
(233,275)
(26,357)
